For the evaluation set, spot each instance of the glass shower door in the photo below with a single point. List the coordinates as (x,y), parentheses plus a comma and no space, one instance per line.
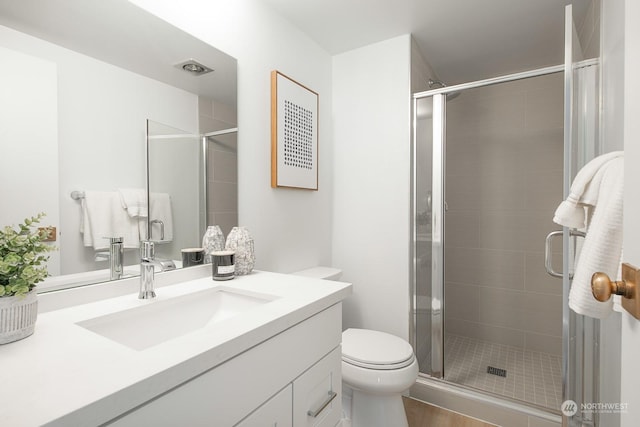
(580,333)
(505,163)
(428,228)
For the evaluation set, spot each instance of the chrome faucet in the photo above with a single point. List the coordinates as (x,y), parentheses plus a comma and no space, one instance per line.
(116,257)
(147,269)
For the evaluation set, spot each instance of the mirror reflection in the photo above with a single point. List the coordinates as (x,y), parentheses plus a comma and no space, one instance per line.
(176,171)
(179,164)
(76,99)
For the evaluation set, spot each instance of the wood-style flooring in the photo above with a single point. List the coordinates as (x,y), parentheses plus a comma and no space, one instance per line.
(420,414)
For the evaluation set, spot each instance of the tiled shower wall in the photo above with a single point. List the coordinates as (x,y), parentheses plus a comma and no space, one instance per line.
(503,183)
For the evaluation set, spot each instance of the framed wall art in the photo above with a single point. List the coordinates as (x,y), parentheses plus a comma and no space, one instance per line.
(294,134)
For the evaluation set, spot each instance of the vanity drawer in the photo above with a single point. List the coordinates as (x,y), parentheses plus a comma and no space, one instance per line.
(274,412)
(317,393)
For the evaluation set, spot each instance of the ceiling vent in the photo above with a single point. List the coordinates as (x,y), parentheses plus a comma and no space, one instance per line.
(194,67)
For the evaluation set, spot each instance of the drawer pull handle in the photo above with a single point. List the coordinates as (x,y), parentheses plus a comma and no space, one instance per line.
(331,395)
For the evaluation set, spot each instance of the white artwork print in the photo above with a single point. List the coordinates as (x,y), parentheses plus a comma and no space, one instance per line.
(297,135)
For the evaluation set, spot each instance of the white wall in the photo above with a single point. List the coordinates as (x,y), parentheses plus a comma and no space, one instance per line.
(365,160)
(630,325)
(291,228)
(421,70)
(28,141)
(371,110)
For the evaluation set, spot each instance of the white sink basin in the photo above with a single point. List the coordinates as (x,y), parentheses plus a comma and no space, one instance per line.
(158,321)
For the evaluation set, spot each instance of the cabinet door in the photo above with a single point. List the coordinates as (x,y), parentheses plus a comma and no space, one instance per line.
(317,393)
(275,412)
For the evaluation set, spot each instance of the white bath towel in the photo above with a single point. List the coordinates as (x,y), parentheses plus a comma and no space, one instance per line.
(584,192)
(103,217)
(134,201)
(601,196)
(160,210)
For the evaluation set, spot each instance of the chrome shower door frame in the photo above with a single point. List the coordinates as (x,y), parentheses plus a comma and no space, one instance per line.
(580,334)
(437,210)
(577,335)
(437,235)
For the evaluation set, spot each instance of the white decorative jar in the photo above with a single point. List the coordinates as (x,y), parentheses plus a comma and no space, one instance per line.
(240,241)
(18,316)
(212,241)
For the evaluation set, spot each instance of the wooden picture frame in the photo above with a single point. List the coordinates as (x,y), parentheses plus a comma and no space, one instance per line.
(294,134)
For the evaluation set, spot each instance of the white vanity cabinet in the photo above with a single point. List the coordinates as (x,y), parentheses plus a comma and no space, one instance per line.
(275,383)
(313,399)
(276,412)
(317,394)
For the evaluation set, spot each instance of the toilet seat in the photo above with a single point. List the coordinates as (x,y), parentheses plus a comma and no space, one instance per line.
(375,350)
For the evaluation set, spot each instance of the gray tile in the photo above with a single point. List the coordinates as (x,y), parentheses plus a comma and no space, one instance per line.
(485,267)
(536,278)
(223,196)
(501,335)
(462,302)
(461,229)
(466,362)
(225,167)
(546,343)
(543,191)
(463,193)
(542,150)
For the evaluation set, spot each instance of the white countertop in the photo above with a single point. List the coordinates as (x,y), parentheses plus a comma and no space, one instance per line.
(67,375)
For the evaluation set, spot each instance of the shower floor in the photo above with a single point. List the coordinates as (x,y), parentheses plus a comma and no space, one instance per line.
(532,376)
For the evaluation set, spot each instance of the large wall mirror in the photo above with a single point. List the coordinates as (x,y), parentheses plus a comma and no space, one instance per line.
(80,81)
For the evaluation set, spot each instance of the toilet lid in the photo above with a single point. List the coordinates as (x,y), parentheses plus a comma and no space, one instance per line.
(375,349)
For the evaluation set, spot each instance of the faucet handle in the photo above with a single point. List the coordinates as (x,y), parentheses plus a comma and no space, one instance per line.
(147,255)
(101,256)
(147,250)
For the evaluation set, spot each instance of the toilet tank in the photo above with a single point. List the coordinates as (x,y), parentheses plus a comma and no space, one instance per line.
(326,273)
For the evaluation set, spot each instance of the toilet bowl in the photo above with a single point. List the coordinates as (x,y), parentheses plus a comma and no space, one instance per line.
(376,369)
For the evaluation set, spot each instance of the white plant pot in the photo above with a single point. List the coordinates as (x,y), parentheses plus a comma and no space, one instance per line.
(18,316)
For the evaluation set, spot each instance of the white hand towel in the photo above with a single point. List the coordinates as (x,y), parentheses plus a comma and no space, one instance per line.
(103,217)
(602,248)
(160,209)
(584,191)
(134,201)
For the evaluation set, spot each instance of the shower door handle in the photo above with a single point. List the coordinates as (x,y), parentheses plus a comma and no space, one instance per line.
(547,250)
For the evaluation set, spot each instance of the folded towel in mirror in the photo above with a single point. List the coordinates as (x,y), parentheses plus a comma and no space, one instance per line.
(103,217)
(134,201)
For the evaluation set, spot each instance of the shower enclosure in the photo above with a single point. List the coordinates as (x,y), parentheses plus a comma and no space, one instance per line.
(490,165)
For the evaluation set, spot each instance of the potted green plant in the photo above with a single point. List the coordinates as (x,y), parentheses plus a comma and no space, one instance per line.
(23,257)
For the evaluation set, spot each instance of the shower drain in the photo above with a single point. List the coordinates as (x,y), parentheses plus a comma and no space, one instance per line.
(497,371)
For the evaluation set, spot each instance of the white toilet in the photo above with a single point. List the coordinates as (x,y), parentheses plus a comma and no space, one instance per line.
(376,369)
